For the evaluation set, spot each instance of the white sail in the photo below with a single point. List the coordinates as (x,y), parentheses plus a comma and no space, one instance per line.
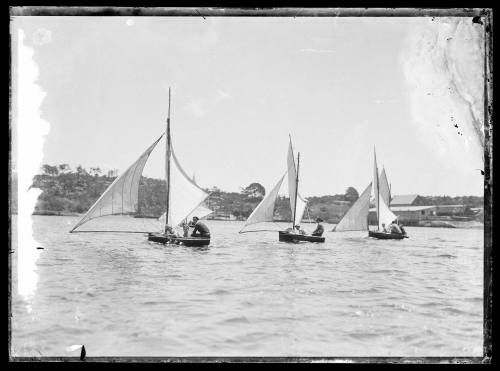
(385,192)
(386,216)
(122,196)
(356,218)
(265,209)
(301,206)
(185,195)
(292,177)
(201,211)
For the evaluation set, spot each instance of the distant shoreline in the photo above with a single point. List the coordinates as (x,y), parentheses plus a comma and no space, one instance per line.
(455,224)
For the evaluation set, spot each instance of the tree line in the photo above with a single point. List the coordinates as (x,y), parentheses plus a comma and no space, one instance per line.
(67,191)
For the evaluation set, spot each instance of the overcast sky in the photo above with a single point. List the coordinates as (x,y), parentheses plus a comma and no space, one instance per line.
(411,87)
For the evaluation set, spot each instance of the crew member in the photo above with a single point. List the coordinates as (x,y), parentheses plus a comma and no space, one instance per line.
(319,228)
(200,229)
(169,231)
(185,228)
(402,228)
(394,228)
(298,230)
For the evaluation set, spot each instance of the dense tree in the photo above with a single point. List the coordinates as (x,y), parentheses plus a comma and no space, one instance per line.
(351,194)
(254,190)
(64,168)
(50,170)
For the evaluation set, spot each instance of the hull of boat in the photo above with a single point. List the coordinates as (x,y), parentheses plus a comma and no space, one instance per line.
(187,241)
(291,237)
(386,236)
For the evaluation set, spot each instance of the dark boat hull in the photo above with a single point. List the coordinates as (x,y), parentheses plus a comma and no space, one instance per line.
(386,236)
(291,237)
(186,241)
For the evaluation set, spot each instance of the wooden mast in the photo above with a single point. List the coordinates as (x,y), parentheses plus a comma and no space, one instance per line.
(377,203)
(296,191)
(167,162)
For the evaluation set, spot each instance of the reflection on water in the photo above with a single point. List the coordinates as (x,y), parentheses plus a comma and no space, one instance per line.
(251,295)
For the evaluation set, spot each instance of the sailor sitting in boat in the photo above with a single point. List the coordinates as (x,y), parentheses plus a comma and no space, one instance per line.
(394,228)
(319,228)
(295,230)
(185,228)
(200,229)
(169,231)
(298,230)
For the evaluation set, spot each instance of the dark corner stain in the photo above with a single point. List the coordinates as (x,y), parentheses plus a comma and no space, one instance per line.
(109,12)
(83,353)
(477,19)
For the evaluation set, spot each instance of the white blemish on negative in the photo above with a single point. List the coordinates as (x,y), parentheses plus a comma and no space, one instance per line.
(31,130)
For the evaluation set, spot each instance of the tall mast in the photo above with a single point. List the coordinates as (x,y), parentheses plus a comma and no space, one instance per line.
(168,152)
(296,191)
(390,193)
(377,202)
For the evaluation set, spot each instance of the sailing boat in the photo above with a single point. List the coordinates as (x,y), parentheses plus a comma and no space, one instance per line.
(265,209)
(356,218)
(183,196)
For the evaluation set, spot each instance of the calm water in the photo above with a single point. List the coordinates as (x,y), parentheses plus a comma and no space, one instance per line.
(250,295)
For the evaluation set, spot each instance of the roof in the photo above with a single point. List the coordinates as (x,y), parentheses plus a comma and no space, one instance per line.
(407,208)
(403,199)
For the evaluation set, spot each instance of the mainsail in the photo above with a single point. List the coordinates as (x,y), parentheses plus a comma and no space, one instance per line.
(122,196)
(265,209)
(385,192)
(292,179)
(356,218)
(385,215)
(185,195)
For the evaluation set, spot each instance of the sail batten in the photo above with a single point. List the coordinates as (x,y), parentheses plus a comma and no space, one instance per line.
(122,196)
(356,218)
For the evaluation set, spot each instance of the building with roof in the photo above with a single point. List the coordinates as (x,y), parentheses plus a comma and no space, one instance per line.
(409,215)
(411,211)
(407,200)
